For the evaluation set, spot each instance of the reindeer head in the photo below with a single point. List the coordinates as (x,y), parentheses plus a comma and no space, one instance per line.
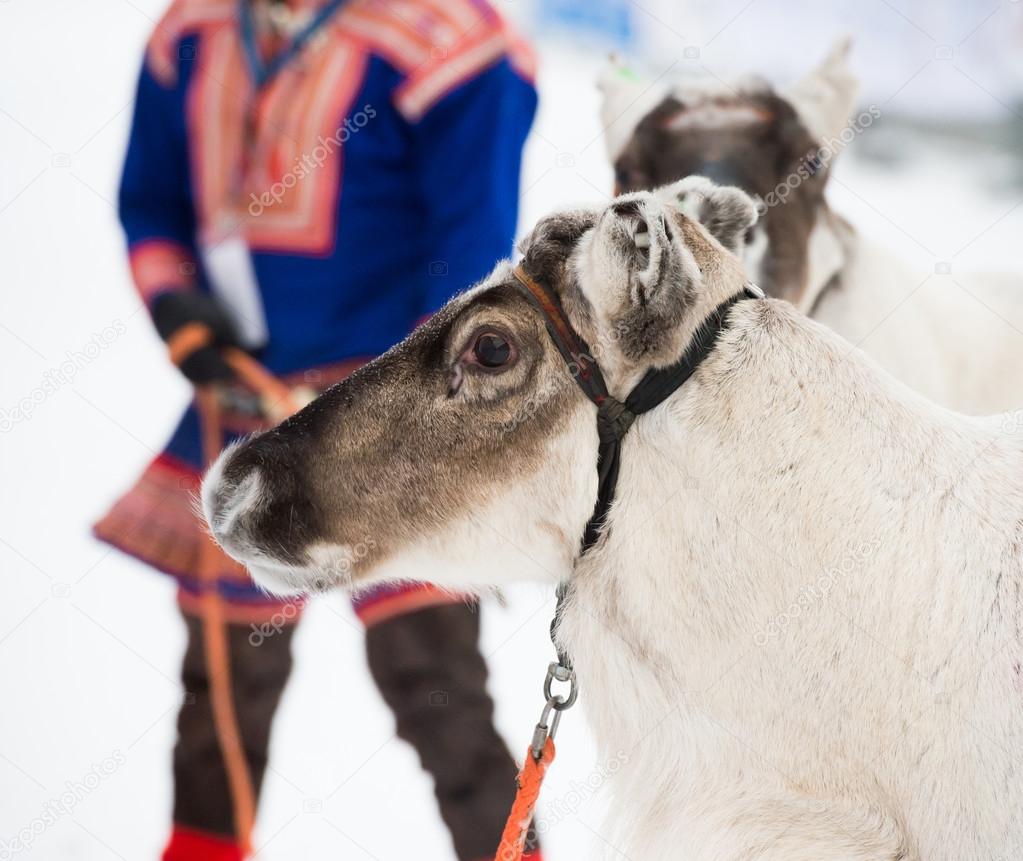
(776,147)
(466,454)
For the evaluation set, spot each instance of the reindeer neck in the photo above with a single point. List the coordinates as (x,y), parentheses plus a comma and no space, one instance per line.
(732,496)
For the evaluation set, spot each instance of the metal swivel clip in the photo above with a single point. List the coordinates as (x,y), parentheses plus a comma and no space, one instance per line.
(547,726)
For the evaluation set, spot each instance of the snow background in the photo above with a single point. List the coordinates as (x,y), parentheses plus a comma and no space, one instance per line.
(90,641)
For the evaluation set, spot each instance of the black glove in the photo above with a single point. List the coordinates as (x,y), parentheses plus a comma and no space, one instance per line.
(196,328)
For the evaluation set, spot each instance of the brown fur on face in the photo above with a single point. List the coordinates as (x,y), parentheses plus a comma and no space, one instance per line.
(394,452)
(757,155)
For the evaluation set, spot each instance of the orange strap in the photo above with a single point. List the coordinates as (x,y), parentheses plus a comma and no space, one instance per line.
(513,840)
(215,640)
(278,400)
(187,340)
(218,656)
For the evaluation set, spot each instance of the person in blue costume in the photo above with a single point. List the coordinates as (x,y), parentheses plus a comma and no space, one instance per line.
(306,180)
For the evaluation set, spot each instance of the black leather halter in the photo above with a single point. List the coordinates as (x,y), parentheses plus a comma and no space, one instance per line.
(614,418)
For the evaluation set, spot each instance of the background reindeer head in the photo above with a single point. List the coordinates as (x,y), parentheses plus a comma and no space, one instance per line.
(466,454)
(777,147)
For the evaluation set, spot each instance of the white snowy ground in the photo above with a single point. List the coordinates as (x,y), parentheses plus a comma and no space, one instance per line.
(90,641)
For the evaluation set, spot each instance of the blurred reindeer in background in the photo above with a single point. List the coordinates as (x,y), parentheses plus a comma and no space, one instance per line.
(779,147)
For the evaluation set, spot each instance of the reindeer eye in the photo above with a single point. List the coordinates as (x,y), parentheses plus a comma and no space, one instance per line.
(491,350)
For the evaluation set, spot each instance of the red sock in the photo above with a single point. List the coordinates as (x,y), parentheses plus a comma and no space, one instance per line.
(187,844)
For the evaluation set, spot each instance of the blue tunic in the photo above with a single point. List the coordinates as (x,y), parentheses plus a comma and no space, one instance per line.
(403,186)
(372,179)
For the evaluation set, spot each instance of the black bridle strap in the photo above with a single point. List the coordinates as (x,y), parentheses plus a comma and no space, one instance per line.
(614,418)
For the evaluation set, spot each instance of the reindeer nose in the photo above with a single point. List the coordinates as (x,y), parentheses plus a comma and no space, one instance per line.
(241,484)
(230,494)
(258,502)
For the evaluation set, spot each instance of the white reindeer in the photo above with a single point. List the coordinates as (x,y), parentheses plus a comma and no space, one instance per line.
(800,629)
(958,341)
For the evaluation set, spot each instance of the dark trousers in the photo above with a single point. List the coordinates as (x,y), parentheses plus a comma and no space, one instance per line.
(429,670)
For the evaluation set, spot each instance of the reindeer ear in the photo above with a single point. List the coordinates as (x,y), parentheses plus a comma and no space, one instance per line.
(627,99)
(824,100)
(725,211)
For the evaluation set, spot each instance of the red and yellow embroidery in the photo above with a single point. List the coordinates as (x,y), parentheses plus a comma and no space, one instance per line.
(272,171)
(279,181)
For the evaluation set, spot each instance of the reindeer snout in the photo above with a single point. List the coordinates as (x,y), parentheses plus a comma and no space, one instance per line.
(258,502)
(231,495)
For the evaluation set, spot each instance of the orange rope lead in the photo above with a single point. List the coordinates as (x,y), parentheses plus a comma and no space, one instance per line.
(187,340)
(218,657)
(282,401)
(279,401)
(513,840)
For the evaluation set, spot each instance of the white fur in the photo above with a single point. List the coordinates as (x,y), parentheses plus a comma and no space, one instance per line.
(939,339)
(515,537)
(530,532)
(959,342)
(884,721)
